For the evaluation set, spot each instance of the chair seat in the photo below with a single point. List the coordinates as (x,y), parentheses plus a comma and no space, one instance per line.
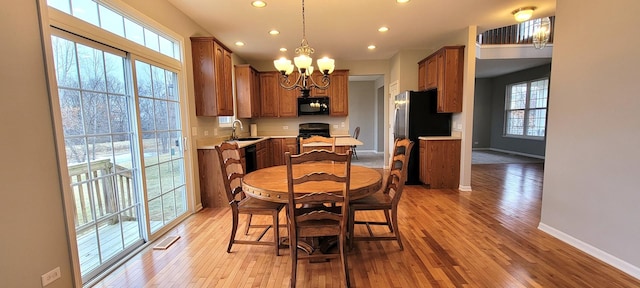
(376,201)
(255,206)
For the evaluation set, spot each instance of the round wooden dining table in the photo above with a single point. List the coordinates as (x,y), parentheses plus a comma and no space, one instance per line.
(270,183)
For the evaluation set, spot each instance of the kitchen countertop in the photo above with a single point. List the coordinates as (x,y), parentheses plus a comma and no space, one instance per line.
(341,140)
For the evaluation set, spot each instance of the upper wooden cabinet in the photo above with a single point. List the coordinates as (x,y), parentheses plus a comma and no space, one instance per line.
(443,70)
(276,101)
(339,93)
(247,91)
(212,77)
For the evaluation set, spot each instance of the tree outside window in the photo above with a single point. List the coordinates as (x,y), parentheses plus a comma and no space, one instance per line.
(526,109)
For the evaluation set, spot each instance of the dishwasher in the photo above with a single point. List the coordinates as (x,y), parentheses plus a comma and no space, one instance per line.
(250,158)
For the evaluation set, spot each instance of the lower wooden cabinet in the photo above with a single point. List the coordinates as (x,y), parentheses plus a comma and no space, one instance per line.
(263,154)
(280,146)
(212,193)
(440,163)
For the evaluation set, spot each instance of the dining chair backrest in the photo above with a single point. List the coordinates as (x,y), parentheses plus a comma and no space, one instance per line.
(232,171)
(317,139)
(307,214)
(318,197)
(356,132)
(398,169)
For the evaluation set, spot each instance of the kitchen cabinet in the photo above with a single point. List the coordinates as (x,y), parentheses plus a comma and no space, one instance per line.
(422,75)
(339,93)
(280,146)
(440,163)
(263,154)
(247,91)
(212,77)
(443,70)
(212,191)
(275,100)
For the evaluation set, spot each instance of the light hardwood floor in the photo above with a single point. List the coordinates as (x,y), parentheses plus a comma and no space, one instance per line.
(484,238)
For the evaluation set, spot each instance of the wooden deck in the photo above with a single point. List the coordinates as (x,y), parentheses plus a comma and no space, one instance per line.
(484,238)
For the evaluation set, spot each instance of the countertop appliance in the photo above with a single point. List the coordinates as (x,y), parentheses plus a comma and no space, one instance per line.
(416,116)
(313,106)
(306,130)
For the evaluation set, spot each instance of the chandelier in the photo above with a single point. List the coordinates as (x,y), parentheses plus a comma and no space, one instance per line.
(303,62)
(541,32)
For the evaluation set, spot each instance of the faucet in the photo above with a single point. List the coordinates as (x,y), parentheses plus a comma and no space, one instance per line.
(233,129)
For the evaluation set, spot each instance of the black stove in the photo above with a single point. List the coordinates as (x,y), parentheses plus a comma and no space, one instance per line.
(306,130)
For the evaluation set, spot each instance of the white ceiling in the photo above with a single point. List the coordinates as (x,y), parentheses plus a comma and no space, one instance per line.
(342,29)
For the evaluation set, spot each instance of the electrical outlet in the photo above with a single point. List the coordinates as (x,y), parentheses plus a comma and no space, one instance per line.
(285,127)
(206,132)
(342,124)
(194,131)
(50,276)
(335,126)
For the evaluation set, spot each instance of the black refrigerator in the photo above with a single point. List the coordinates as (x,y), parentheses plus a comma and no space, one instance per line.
(416,116)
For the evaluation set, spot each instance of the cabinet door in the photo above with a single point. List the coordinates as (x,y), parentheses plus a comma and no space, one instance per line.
(247,91)
(431,73)
(315,92)
(288,99)
(422,75)
(450,66)
(443,163)
(222,75)
(339,93)
(290,145)
(203,77)
(278,151)
(268,92)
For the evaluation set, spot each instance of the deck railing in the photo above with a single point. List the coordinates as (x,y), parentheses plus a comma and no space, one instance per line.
(521,33)
(99,189)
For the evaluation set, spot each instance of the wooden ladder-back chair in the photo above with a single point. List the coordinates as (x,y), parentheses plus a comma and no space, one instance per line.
(232,174)
(386,199)
(317,139)
(307,214)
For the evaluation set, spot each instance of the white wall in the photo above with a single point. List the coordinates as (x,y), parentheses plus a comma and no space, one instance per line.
(31,217)
(590,196)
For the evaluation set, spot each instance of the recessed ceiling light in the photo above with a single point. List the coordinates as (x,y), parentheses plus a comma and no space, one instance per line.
(239,43)
(274,32)
(383,29)
(402,1)
(371,47)
(283,49)
(258,4)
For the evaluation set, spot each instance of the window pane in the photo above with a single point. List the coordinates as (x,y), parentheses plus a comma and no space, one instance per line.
(538,98)
(111,21)
(64,54)
(86,10)
(151,40)
(95,113)
(515,120)
(115,66)
(536,122)
(518,99)
(92,68)
(166,47)
(133,31)
(62,5)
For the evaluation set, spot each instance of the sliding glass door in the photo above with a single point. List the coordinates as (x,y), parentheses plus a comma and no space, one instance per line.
(123,142)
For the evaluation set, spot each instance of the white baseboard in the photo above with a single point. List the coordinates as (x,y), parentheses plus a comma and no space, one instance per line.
(517,153)
(464,188)
(593,251)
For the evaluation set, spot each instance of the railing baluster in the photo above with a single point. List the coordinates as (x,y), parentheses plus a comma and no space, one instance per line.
(521,33)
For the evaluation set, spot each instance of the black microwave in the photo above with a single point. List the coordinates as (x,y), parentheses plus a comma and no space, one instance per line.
(313,106)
